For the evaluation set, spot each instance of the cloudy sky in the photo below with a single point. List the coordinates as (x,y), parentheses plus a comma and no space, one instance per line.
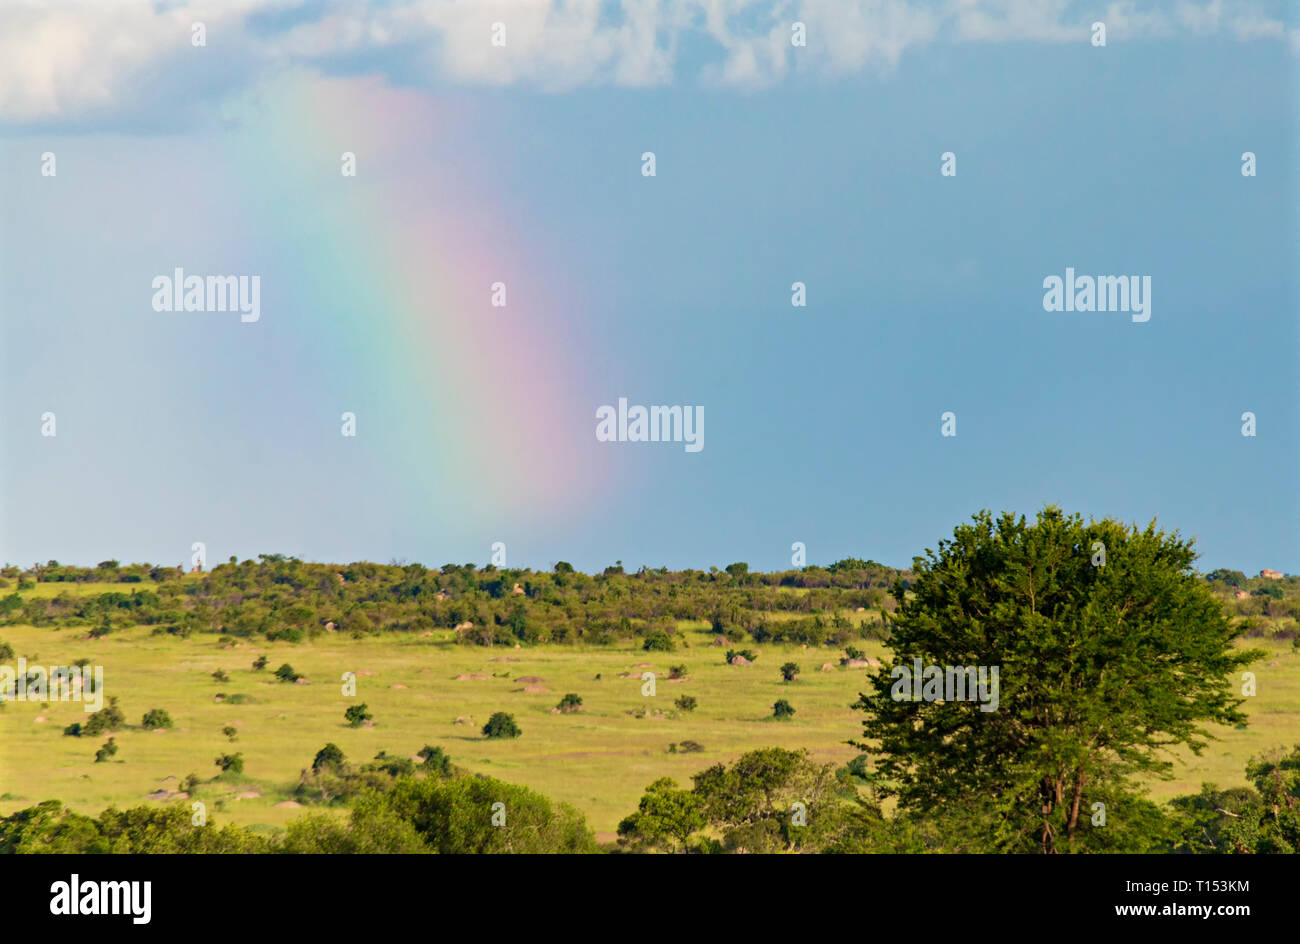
(519,161)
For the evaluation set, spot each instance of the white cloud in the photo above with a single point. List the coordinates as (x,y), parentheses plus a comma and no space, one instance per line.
(73,61)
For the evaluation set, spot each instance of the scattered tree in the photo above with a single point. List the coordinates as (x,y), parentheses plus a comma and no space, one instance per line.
(436,761)
(501,725)
(329,758)
(1102,667)
(658,640)
(357,715)
(157,718)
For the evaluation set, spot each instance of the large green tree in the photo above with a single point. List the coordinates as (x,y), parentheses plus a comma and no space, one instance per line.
(1109,651)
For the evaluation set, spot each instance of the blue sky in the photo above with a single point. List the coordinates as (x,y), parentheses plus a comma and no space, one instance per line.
(822,423)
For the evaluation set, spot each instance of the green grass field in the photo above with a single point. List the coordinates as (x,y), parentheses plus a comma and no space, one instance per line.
(598,759)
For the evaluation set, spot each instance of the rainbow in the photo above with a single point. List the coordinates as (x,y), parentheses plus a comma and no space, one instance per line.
(393,271)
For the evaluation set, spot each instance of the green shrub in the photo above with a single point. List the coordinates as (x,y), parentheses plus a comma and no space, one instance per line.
(436,761)
(570,702)
(460,816)
(285,673)
(658,640)
(782,709)
(501,725)
(392,764)
(260,663)
(329,757)
(157,718)
(686,703)
(357,715)
(230,763)
(108,718)
(105,752)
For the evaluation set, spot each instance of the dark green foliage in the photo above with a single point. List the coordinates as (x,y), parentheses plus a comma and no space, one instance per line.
(6,650)
(782,709)
(436,761)
(658,640)
(501,725)
(1100,668)
(789,671)
(331,780)
(1230,578)
(686,703)
(1261,819)
(230,731)
(769,800)
(285,673)
(260,663)
(220,675)
(108,749)
(286,598)
(49,827)
(570,702)
(665,819)
(357,715)
(102,628)
(108,718)
(858,768)
(329,757)
(230,763)
(395,765)
(156,718)
(371,828)
(456,817)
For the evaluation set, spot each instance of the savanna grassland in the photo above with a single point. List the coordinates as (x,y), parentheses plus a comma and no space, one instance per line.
(599,758)
(435,652)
